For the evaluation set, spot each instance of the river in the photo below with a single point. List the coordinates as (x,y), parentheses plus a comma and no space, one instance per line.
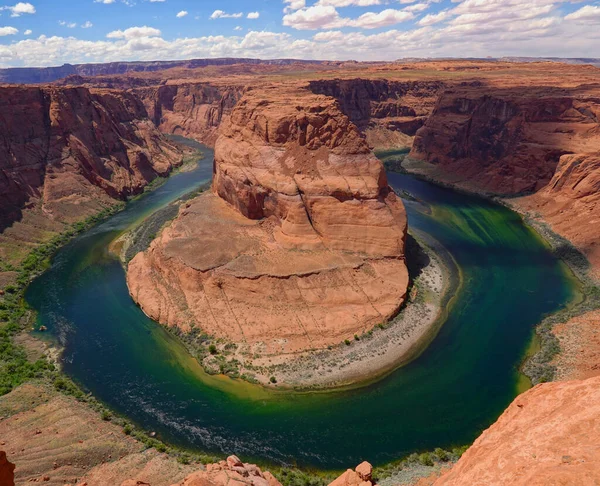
(456,388)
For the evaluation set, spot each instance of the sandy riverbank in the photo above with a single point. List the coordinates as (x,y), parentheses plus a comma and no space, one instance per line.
(374,353)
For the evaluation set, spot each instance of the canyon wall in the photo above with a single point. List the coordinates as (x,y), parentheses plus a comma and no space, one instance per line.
(508,140)
(193,110)
(570,203)
(388,112)
(75,150)
(301,243)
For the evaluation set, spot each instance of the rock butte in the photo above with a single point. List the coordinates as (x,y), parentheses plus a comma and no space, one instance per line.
(301,243)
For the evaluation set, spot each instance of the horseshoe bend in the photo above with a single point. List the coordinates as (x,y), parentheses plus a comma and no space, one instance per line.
(338,221)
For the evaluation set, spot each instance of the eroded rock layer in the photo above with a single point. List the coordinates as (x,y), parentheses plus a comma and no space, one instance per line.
(508,140)
(570,203)
(301,244)
(75,150)
(548,435)
(389,113)
(194,110)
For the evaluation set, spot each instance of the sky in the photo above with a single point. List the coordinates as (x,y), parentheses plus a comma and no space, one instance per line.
(50,32)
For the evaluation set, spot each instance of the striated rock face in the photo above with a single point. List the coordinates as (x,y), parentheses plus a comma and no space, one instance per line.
(548,435)
(570,203)
(194,110)
(510,140)
(7,471)
(388,112)
(75,150)
(226,473)
(300,246)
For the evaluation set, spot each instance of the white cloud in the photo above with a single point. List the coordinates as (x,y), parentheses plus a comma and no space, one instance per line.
(219,14)
(134,33)
(181,14)
(19,9)
(327,17)
(28,32)
(432,19)
(371,20)
(293,5)
(238,28)
(69,25)
(107,2)
(348,3)
(589,13)
(253,15)
(86,25)
(313,18)
(8,31)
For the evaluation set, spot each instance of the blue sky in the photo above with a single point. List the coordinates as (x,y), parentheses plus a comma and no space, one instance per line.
(45,32)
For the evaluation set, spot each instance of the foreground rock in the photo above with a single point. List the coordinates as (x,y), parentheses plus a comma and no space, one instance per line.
(7,471)
(548,435)
(300,246)
(361,476)
(226,473)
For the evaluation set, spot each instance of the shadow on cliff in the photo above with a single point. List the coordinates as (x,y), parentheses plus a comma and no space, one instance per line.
(416,257)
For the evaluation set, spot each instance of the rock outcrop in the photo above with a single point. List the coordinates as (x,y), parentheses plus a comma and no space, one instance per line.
(361,476)
(301,244)
(7,471)
(75,150)
(388,112)
(570,203)
(548,435)
(194,110)
(226,473)
(508,140)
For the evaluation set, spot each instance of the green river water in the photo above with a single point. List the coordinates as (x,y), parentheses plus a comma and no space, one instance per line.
(457,387)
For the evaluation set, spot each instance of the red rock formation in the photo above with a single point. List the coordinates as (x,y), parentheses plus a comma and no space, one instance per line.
(305,245)
(570,203)
(548,435)
(361,476)
(75,150)
(7,471)
(227,473)
(194,110)
(508,141)
(383,109)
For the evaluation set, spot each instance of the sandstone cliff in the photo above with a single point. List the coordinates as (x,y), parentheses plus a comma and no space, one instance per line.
(548,435)
(194,110)
(570,203)
(388,112)
(300,246)
(508,140)
(74,150)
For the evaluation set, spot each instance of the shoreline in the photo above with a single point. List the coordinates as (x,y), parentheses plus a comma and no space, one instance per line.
(543,365)
(352,364)
(378,352)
